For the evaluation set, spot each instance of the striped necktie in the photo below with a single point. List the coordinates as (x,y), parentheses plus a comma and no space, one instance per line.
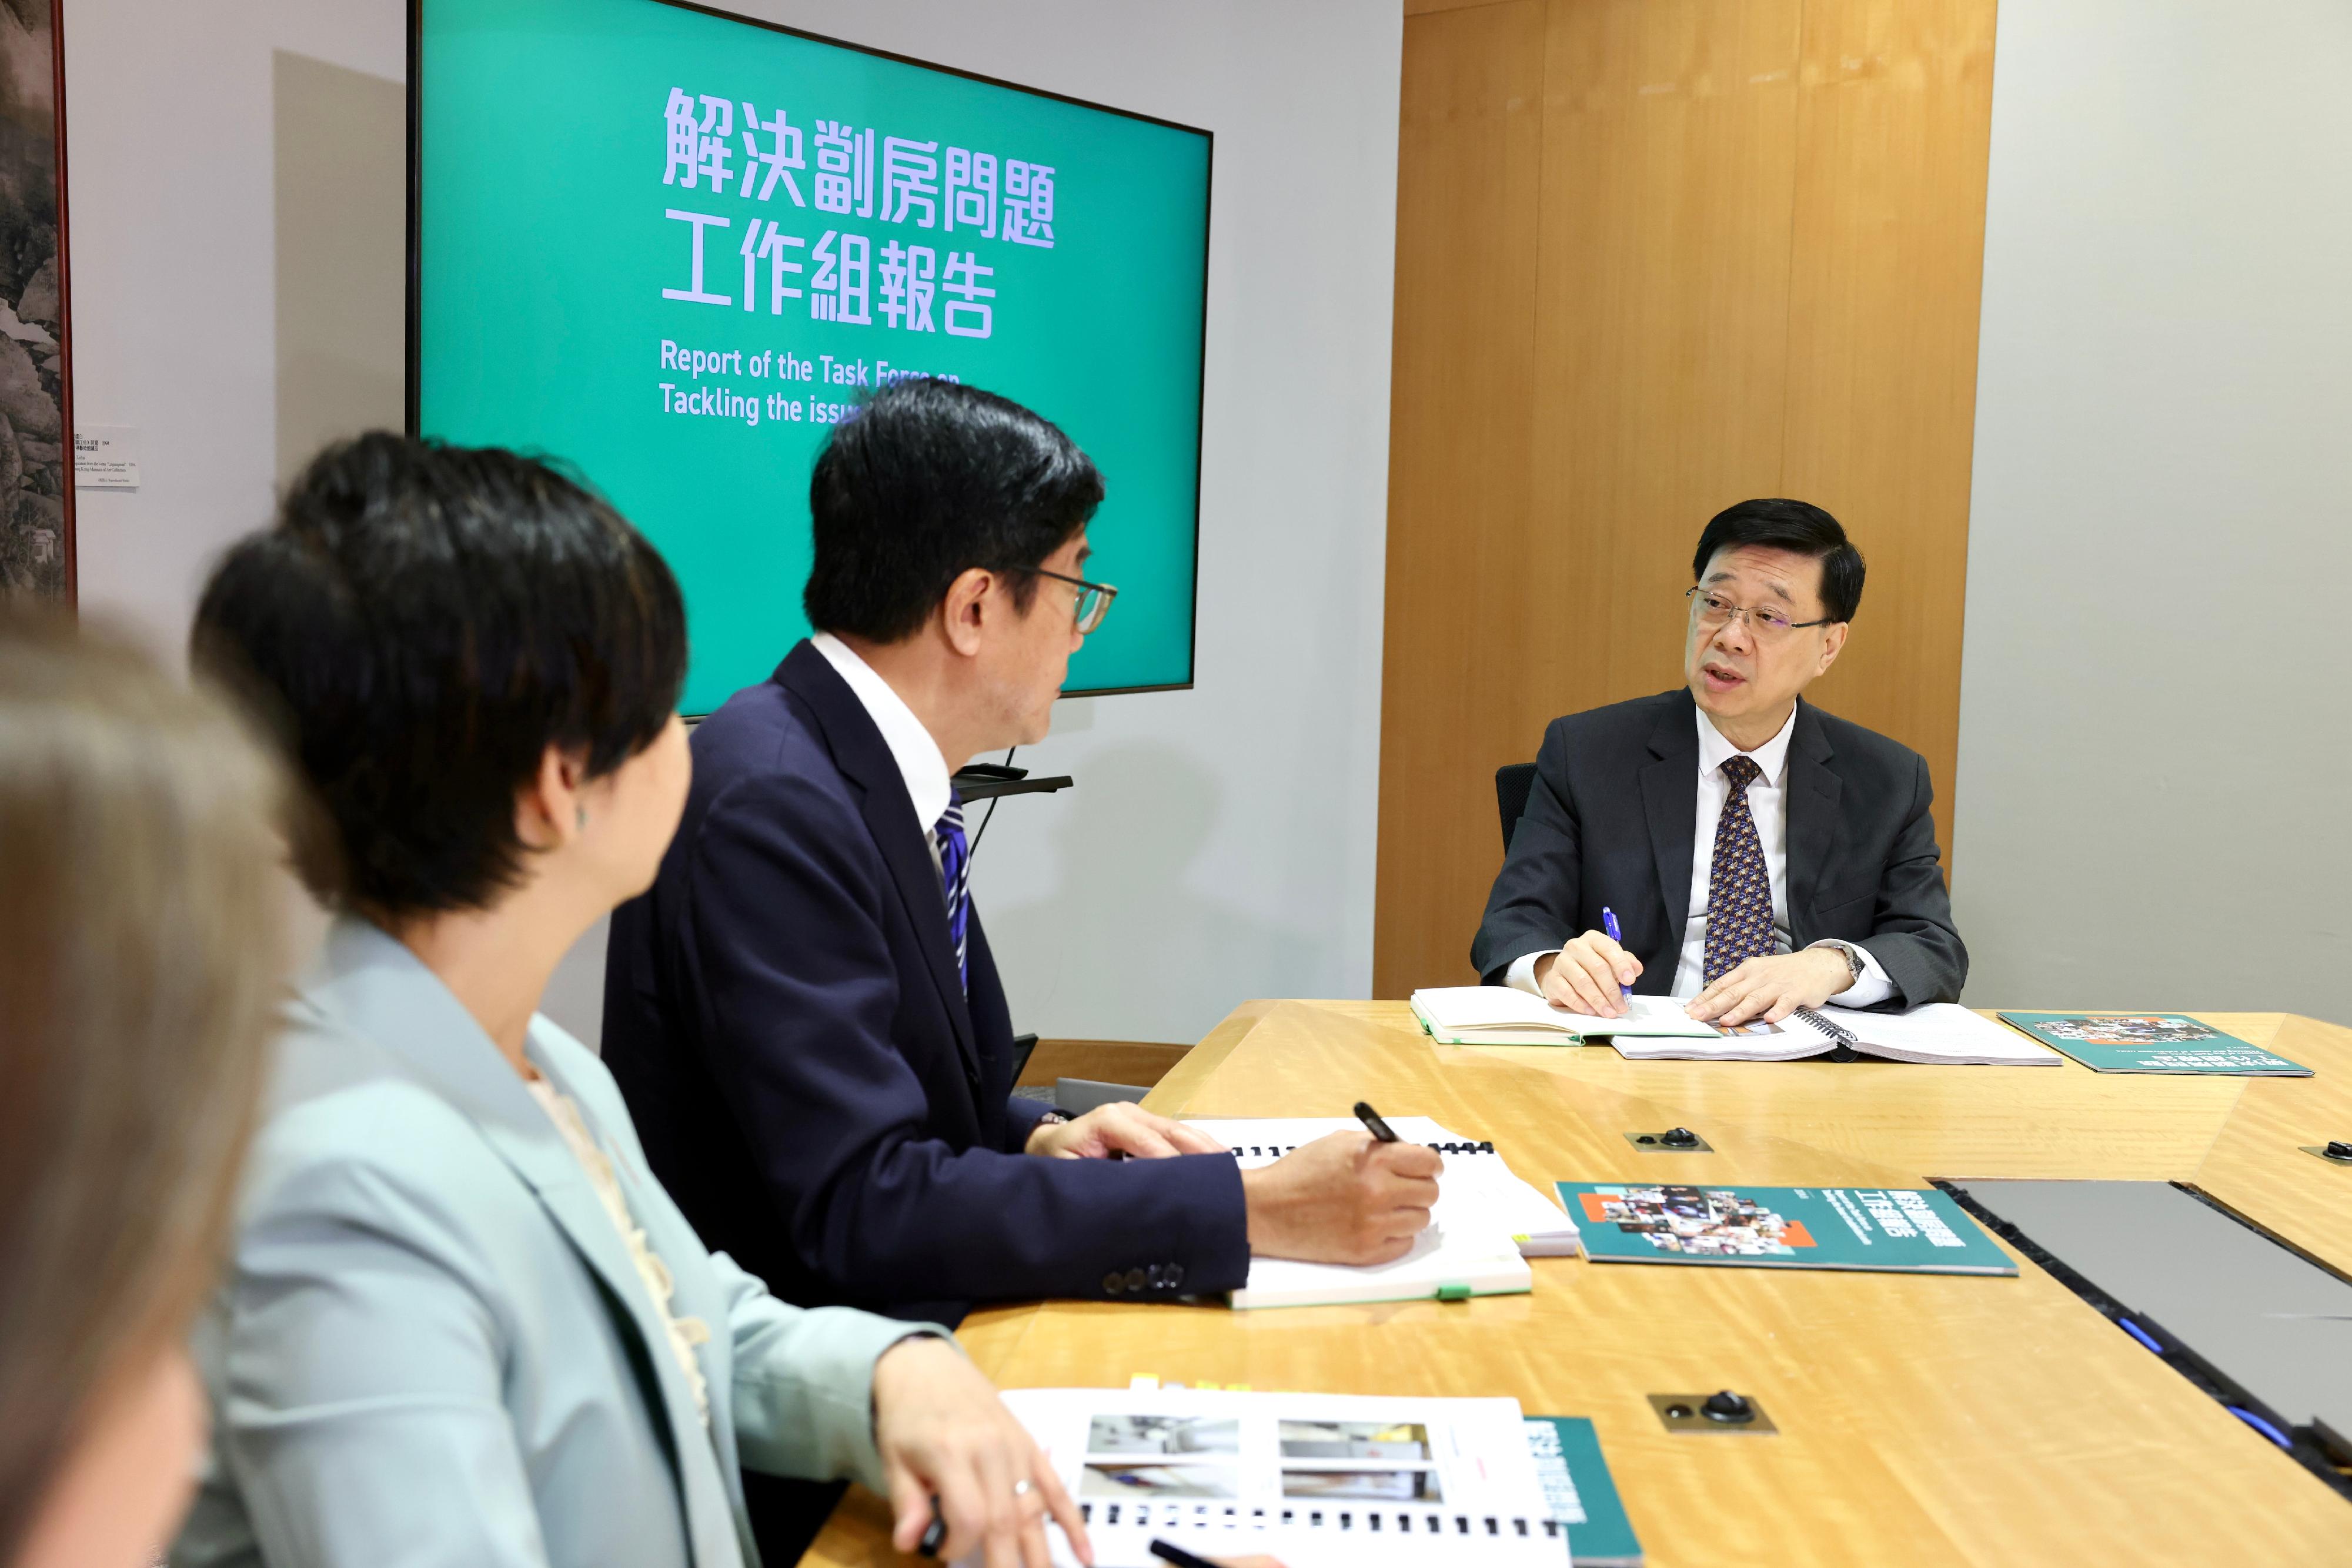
(955,874)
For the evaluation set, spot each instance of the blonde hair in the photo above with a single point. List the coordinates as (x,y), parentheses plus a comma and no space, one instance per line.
(142,932)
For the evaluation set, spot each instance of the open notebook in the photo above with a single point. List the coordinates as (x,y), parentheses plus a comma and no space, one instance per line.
(1944,1033)
(1319,1480)
(1497,1015)
(1486,1222)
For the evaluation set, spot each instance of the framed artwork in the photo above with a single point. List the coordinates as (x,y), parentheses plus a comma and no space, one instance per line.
(37,525)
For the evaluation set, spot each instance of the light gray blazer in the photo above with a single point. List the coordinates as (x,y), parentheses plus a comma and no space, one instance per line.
(431,1346)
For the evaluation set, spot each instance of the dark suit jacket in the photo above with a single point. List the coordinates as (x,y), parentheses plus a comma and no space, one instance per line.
(1613,811)
(783,1013)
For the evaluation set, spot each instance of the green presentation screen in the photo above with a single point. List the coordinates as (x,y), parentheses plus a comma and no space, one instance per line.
(672,248)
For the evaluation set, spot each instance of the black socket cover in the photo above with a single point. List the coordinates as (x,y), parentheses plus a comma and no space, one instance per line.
(1728,1408)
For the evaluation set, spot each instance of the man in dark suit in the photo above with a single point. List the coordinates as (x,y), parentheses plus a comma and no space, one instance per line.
(1760,854)
(803,1012)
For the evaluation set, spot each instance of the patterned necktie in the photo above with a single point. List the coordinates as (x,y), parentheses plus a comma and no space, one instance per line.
(955,872)
(1738,888)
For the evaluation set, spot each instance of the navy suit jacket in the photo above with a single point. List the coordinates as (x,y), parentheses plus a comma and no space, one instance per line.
(1613,812)
(782,1012)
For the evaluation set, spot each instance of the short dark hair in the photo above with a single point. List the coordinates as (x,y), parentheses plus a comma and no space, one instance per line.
(419,625)
(927,480)
(1798,526)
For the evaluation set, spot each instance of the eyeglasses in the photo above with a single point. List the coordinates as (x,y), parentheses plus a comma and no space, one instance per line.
(1713,610)
(1093,598)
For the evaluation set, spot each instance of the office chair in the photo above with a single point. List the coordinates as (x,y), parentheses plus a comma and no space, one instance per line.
(1512,784)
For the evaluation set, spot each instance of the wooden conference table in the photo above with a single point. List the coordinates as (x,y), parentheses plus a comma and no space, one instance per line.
(1923,1420)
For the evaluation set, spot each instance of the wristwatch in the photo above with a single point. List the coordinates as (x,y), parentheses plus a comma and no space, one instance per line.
(1055,1118)
(1852,956)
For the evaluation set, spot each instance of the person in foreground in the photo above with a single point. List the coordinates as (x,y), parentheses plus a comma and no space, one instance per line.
(1760,855)
(461,1322)
(803,1012)
(142,904)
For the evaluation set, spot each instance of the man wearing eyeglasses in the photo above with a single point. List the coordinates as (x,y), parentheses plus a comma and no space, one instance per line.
(803,1011)
(1759,854)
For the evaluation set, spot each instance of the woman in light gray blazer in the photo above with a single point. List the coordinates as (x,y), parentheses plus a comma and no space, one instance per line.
(462,1324)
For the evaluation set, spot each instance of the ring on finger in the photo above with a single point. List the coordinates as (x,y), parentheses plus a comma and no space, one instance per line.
(1021,1487)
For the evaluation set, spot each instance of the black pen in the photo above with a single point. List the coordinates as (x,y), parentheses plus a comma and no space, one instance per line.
(1168,1551)
(1372,1123)
(935,1535)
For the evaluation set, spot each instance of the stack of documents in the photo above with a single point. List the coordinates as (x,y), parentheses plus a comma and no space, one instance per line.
(1319,1480)
(1497,1015)
(1487,1222)
(1939,1032)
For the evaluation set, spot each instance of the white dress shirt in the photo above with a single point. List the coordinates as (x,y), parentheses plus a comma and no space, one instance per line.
(919,759)
(1768,804)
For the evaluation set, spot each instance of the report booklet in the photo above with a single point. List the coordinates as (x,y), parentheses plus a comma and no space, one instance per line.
(1583,1498)
(1896,1229)
(1319,1480)
(2152,1043)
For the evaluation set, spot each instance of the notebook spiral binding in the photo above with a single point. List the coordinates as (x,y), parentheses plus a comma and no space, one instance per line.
(1276,1151)
(1847,1040)
(1171,1516)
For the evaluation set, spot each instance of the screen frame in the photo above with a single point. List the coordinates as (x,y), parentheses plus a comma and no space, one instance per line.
(412,394)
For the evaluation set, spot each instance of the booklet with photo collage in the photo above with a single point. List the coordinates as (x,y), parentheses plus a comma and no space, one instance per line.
(1319,1480)
(2152,1043)
(1895,1229)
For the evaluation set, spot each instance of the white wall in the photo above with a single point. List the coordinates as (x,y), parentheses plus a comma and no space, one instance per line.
(235,186)
(171,141)
(2156,742)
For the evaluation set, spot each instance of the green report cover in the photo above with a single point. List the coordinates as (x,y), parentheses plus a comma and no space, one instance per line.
(1898,1230)
(1583,1499)
(2152,1043)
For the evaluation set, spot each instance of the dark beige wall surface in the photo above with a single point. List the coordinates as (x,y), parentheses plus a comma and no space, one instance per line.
(1654,256)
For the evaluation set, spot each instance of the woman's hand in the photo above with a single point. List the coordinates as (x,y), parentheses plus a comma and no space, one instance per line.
(944,1434)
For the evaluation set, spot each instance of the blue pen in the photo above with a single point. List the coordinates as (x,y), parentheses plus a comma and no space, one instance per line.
(1609,928)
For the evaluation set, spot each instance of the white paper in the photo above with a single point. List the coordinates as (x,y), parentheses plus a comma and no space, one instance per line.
(106,457)
(1301,1477)
(1943,1029)
(1934,1033)
(1482,1211)
(1466,1010)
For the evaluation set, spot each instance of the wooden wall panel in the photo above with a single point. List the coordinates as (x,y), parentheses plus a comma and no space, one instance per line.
(1669,140)
(1458,452)
(1882,385)
(1656,256)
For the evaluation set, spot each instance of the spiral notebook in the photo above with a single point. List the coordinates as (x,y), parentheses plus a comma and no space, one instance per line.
(1319,1480)
(1487,1222)
(1939,1034)
(1497,1015)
